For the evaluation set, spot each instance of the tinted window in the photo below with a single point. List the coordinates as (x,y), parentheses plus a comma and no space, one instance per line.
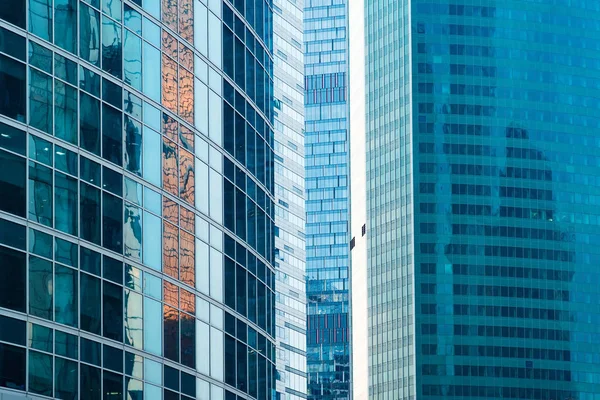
(12,180)
(12,279)
(12,330)
(12,367)
(13,11)
(12,234)
(90,306)
(90,382)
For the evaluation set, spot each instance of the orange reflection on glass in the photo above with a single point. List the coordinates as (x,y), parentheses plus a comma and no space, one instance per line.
(186,57)
(188,302)
(171,333)
(170,210)
(188,258)
(171,294)
(186,138)
(169,13)
(171,250)
(186,95)
(186,176)
(186,20)
(170,128)
(188,220)
(169,45)
(170,166)
(169,83)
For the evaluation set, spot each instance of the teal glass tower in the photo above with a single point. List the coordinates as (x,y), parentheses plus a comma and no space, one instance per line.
(137,234)
(483,183)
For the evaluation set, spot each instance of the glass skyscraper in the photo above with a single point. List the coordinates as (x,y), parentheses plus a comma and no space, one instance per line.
(327,198)
(136,200)
(483,184)
(290,215)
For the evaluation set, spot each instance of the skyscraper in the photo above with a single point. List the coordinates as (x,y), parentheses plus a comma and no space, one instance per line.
(483,175)
(327,197)
(136,200)
(290,215)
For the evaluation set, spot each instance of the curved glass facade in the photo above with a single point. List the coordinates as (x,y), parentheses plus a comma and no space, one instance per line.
(483,166)
(136,219)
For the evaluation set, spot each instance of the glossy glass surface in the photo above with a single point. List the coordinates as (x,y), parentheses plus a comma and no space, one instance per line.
(488,110)
(106,176)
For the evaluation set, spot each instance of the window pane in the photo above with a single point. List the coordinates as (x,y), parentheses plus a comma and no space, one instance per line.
(66,252)
(12,88)
(40,287)
(12,139)
(40,373)
(89,81)
(133,232)
(90,383)
(40,150)
(90,213)
(152,323)
(90,351)
(65,160)
(133,145)
(40,18)
(112,136)
(112,181)
(152,152)
(40,243)
(90,171)
(12,180)
(132,59)
(65,379)
(66,19)
(112,270)
(65,305)
(133,319)
(171,333)
(113,386)
(152,242)
(113,358)
(12,367)
(89,35)
(40,337)
(113,311)
(13,11)
(90,306)
(134,388)
(66,344)
(12,330)
(151,72)
(63,68)
(65,199)
(40,100)
(40,57)
(65,112)
(40,194)
(89,123)
(112,222)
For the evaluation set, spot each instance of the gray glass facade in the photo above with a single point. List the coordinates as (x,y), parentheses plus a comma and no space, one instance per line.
(482,190)
(327,198)
(136,208)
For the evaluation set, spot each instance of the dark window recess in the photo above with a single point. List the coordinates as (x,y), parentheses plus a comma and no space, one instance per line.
(364,229)
(12,330)
(352,243)
(12,279)
(13,11)
(12,180)
(12,234)
(12,88)
(12,366)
